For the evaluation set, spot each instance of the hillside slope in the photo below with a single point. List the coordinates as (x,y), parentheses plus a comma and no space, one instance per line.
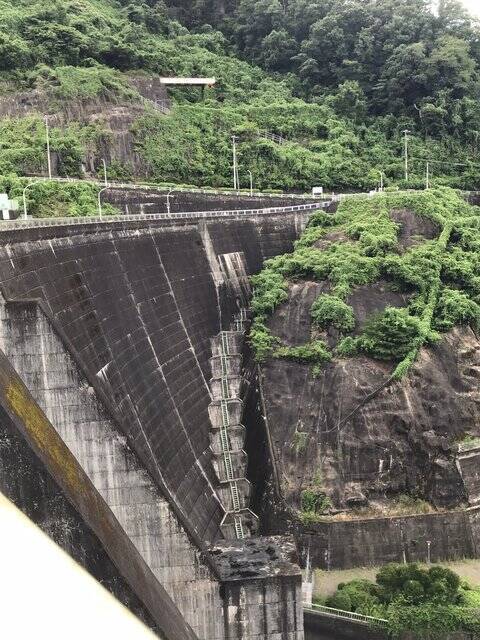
(93,67)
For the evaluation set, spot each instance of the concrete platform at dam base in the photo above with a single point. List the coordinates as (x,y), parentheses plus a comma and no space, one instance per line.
(107,395)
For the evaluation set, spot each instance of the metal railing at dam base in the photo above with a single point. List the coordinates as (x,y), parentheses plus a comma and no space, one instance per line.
(347,615)
(22,223)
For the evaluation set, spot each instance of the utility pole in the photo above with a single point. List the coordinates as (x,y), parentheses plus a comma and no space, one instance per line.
(251,182)
(406,132)
(49,161)
(105,172)
(235,168)
(427,179)
(381,180)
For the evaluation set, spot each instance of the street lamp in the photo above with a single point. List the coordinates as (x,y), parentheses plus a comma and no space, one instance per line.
(49,161)
(381,180)
(235,168)
(405,133)
(251,182)
(168,200)
(100,200)
(105,172)
(30,184)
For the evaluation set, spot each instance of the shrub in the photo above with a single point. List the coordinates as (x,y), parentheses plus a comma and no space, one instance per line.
(347,347)
(340,600)
(315,352)
(262,341)
(455,307)
(315,501)
(330,310)
(389,336)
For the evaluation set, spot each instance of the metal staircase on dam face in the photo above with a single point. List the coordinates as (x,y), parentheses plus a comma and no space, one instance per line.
(231,458)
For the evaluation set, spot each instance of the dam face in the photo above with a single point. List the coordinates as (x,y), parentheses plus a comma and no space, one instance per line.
(109,326)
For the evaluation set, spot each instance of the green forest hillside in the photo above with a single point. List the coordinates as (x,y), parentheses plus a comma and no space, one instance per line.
(340,80)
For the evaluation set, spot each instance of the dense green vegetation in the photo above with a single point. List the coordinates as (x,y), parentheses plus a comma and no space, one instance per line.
(440,278)
(427,602)
(58,199)
(340,80)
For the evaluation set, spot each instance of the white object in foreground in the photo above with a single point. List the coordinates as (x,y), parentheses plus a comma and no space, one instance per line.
(47,596)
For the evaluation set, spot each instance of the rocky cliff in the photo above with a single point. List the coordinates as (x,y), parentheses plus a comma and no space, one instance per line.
(383,417)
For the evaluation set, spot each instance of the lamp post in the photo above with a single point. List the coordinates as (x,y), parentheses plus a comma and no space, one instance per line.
(30,184)
(251,182)
(49,161)
(168,201)
(100,200)
(381,180)
(105,172)
(235,169)
(405,133)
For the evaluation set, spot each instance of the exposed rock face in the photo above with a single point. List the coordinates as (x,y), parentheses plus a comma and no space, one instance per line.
(400,440)
(353,436)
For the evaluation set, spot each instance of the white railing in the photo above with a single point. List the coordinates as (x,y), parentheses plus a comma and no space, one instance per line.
(346,615)
(274,137)
(22,223)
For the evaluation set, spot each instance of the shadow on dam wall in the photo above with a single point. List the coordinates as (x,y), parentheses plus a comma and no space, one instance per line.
(139,302)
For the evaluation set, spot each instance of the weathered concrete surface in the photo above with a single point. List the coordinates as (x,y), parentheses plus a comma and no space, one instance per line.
(139,304)
(84,424)
(43,479)
(262,588)
(376,541)
(128,316)
(147,201)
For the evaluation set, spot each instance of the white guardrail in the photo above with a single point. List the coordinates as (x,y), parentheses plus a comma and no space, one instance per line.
(29,223)
(346,615)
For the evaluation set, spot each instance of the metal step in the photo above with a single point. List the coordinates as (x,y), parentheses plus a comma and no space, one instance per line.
(239,528)
(228,466)
(224,440)
(225,416)
(235,496)
(224,363)
(225,389)
(225,344)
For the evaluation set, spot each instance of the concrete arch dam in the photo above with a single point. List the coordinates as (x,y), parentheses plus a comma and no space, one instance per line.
(110,327)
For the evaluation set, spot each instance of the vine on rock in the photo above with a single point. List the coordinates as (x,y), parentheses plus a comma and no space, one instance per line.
(359,245)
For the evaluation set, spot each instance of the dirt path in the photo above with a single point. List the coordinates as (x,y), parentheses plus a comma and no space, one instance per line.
(326,582)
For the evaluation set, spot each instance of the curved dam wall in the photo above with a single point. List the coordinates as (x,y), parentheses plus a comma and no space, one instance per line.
(139,303)
(109,326)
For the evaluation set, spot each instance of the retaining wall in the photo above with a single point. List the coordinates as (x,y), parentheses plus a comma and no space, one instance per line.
(150,201)
(322,627)
(343,545)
